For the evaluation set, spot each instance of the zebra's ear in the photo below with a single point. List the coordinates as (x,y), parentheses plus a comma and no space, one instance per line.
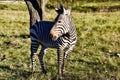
(66,11)
(56,9)
(61,7)
(59,10)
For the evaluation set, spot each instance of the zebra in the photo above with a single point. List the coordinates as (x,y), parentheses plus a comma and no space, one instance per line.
(59,34)
(64,29)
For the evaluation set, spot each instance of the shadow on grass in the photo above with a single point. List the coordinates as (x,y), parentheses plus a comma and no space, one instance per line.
(16,36)
(19,74)
(15,73)
(83,61)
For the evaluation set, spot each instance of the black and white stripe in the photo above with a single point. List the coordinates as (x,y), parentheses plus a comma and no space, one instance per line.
(64,29)
(59,34)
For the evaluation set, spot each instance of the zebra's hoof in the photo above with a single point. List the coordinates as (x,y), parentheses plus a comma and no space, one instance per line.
(45,72)
(63,73)
(33,71)
(60,78)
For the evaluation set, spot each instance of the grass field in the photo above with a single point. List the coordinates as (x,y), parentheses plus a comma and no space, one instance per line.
(96,55)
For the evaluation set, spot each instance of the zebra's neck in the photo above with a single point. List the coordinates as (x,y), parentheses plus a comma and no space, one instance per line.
(71,36)
(72,31)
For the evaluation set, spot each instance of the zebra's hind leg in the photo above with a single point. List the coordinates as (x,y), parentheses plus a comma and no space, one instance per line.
(33,61)
(41,58)
(34,47)
(66,54)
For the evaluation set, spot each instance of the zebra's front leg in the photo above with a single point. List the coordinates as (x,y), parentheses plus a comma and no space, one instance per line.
(41,58)
(66,54)
(59,54)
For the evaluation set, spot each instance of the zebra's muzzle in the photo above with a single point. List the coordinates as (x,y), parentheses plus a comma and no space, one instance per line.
(54,37)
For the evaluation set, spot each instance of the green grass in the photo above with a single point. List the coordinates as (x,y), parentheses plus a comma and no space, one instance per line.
(88,6)
(95,56)
(13,6)
(97,6)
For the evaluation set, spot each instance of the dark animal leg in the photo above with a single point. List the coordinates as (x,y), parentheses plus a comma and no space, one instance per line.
(41,58)
(34,47)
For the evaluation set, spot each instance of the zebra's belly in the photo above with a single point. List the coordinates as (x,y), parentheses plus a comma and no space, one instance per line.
(49,44)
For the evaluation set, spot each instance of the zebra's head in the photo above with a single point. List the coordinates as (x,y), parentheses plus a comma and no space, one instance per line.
(62,23)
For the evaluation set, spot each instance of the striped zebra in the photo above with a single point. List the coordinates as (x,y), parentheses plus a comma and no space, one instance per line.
(59,34)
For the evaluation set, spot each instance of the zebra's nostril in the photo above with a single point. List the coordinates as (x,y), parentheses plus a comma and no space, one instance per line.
(51,36)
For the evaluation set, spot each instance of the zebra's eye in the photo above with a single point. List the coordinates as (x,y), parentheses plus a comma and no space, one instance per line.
(59,21)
